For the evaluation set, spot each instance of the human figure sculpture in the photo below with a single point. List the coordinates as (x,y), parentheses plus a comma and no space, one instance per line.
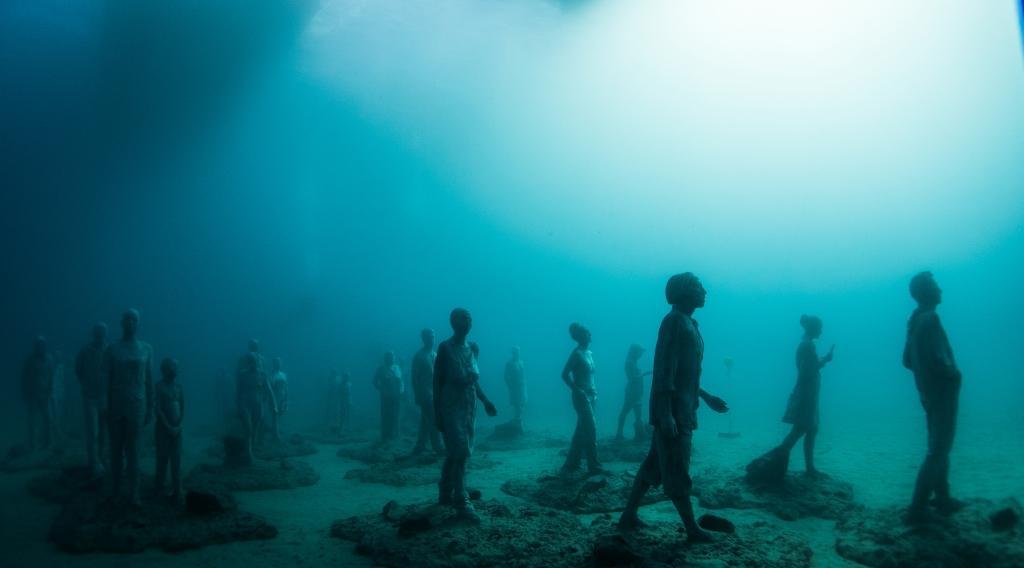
(802,410)
(456,390)
(423,391)
(58,398)
(130,402)
(578,375)
(929,355)
(36,391)
(515,380)
(344,401)
(93,383)
(333,396)
(675,396)
(251,390)
(170,412)
(634,393)
(388,382)
(279,384)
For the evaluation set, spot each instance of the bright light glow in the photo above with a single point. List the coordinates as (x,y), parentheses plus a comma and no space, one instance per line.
(796,140)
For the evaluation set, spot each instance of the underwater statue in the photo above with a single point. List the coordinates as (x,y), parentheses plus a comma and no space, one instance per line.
(929,355)
(515,380)
(388,381)
(252,388)
(801,411)
(423,390)
(93,383)
(170,411)
(130,404)
(456,390)
(58,398)
(36,391)
(675,396)
(578,375)
(634,393)
(344,401)
(278,384)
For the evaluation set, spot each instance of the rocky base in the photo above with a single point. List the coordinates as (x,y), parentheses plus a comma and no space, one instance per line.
(20,458)
(798,496)
(432,536)
(599,493)
(90,522)
(63,486)
(260,476)
(504,442)
(664,545)
(375,452)
(295,446)
(984,533)
(338,437)
(424,469)
(628,450)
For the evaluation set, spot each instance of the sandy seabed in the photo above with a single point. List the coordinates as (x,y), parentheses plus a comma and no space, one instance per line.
(879,460)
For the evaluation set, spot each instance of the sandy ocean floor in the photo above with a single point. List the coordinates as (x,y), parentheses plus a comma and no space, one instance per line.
(881,464)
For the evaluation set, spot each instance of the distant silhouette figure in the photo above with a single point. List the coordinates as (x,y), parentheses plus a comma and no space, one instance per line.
(388,381)
(278,384)
(170,412)
(89,370)
(129,364)
(675,394)
(578,375)
(456,390)
(515,380)
(802,411)
(344,401)
(929,355)
(252,388)
(423,391)
(634,393)
(36,390)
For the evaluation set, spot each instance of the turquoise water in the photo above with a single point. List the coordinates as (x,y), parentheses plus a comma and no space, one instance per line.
(331,177)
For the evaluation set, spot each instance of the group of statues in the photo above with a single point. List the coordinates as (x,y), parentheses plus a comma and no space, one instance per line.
(119,399)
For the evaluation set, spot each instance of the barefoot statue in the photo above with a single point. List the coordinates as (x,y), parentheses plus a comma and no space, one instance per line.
(675,396)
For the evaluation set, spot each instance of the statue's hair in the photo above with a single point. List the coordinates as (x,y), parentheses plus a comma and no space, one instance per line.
(679,286)
(576,331)
(810,322)
(920,283)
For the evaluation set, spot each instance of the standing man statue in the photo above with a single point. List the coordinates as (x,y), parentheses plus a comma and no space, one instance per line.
(252,388)
(129,364)
(515,380)
(456,390)
(93,382)
(423,390)
(279,384)
(36,390)
(388,381)
(675,395)
(929,355)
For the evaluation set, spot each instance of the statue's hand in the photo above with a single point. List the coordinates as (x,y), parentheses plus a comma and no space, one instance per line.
(716,404)
(490,408)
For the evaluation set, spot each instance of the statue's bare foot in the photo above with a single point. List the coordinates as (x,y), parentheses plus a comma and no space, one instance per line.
(629,523)
(697,536)
(949,505)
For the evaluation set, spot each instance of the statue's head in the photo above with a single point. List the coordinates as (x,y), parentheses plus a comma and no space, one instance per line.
(685,290)
(275,364)
(635,352)
(99,332)
(169,368)
(254,346)
(130,322)
(516,353)
(579,334)
(461,320)
(812,325)
(389,358)
(925,290)
(39,345)
(427,336)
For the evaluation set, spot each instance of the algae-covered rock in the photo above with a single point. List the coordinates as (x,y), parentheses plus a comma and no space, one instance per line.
(966,539)
(798,496)
(598,493)
(262,475)
(503,441)
(432,536)
(424,469)
(233,448)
